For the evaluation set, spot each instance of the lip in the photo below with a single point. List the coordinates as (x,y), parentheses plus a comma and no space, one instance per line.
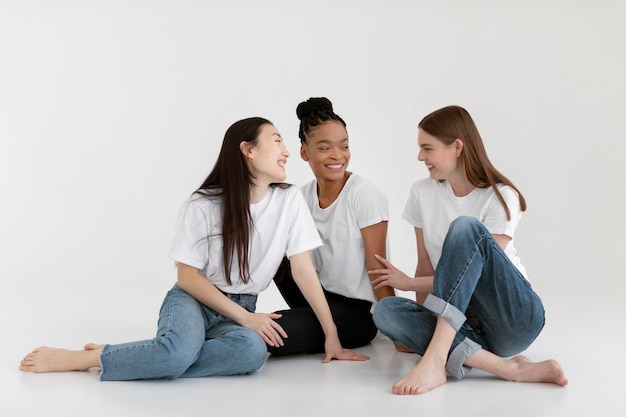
(282,162)
(334,167)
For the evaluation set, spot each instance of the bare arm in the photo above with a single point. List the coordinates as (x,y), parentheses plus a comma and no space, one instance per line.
(503,240)
(424,268)
(306,278)
(422,284)
(391,276)
(375,242)
(200,288)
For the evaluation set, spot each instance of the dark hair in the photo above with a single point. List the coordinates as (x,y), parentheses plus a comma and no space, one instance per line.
(231,180)
(314,112)
(454,122)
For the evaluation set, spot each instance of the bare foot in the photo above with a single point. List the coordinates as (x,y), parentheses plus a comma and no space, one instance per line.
(522,369)
(93,346)
(46,359)
(424,377)
(401,348)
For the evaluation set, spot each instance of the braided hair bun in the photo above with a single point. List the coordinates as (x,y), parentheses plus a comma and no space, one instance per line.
(313,112)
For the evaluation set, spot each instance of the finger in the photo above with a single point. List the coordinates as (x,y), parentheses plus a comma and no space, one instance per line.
(266,339)
(268,336)
(279,329)
(353,356)
(278,341)
(379,272)
(383,260)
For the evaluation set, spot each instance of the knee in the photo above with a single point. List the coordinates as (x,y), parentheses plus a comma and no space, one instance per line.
(173,365)
(254,352)
(466,226)
(464,223)
(384,311)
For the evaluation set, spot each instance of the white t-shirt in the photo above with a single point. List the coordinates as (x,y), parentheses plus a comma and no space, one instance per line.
(432,206)
(282,227)
(340,262)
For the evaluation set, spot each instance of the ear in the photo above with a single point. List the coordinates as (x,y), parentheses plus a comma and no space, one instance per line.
(458,144)
(304,153)
(246,149)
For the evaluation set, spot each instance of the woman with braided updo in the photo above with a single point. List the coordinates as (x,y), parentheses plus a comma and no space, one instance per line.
(351,216)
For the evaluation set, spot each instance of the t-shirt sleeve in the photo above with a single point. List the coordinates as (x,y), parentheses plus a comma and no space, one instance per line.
(495,216)
(303,235)
(411,211)
(190,244)
(370,205)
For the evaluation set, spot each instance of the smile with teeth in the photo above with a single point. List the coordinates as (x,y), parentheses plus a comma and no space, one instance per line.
(334,166)
(429,167)
(282,163)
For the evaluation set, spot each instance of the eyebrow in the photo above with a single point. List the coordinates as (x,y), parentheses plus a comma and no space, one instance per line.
(329,141)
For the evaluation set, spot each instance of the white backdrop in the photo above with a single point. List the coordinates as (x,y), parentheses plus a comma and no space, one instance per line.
(112,112)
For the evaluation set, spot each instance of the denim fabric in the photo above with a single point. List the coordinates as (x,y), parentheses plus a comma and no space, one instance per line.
(478,291)
(192,341)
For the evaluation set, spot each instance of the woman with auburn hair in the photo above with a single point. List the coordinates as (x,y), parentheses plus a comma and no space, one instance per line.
(475,306)
(234,232)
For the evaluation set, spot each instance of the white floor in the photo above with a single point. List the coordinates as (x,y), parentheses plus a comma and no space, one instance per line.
(580,333)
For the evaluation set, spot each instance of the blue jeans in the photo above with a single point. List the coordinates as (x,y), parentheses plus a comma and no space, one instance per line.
(192,341)
(478,291)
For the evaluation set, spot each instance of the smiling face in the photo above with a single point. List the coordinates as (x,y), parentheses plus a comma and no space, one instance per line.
(327,151)
(440,158)
(267,158)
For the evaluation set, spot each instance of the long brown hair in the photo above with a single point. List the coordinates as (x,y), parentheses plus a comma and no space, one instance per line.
(454,122)
(231,181)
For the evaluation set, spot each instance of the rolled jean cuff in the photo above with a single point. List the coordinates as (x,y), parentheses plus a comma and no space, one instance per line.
(453,315)
(454,366)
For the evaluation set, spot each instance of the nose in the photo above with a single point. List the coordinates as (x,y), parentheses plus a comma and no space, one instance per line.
(286,152)
(420,156)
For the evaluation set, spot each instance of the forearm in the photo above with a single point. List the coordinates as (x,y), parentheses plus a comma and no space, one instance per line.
(305,277)
(383,292)
(314,294)
(196,285)
(374,242)
(423,283)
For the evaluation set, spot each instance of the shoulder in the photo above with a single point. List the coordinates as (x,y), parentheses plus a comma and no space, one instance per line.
(202,202)
(506,190)
(427,185)
(309,187)
(357,185)
(509,195)
(285,193)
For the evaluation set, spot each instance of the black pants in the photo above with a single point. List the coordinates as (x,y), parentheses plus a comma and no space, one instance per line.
(352,318)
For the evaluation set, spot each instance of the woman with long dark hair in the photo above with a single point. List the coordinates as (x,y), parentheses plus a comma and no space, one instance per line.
(235,231)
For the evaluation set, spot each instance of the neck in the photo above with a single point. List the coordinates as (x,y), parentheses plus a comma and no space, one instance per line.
(257,193)
(461,188)
(328,191)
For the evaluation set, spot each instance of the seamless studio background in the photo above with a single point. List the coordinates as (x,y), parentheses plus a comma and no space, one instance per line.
(112,113)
